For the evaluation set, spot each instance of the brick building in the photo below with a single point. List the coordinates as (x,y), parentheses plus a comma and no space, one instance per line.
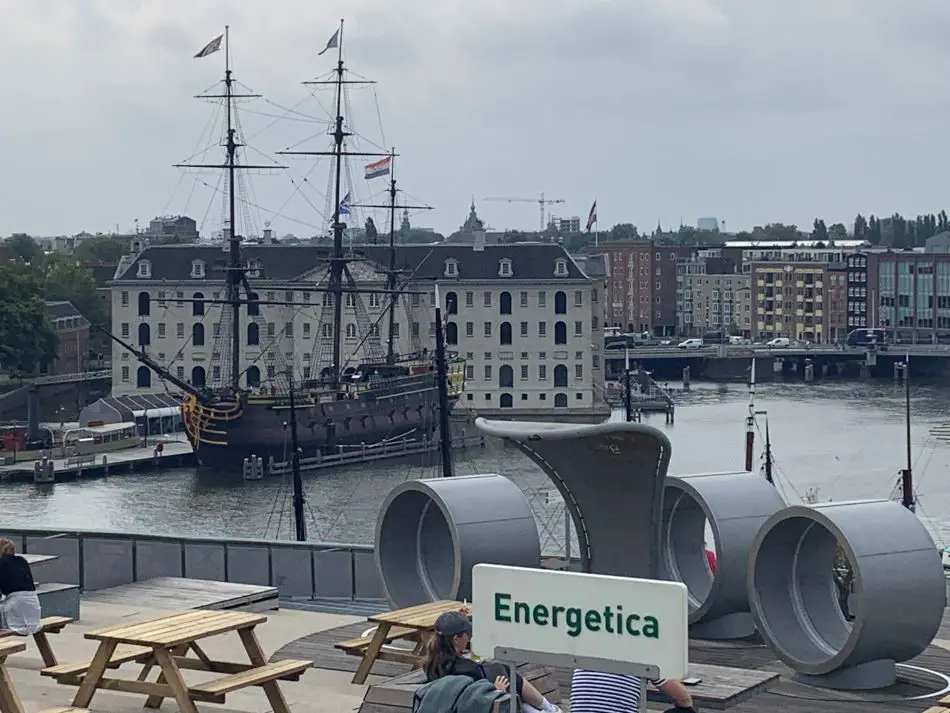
(72,329)
(641,285)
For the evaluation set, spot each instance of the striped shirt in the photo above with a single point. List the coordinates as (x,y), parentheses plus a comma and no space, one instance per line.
(598,692)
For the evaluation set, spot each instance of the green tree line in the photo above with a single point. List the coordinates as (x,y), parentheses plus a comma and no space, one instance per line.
(28,280)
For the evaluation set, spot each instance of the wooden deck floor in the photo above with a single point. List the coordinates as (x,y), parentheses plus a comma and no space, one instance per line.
(784,695)
(175,593)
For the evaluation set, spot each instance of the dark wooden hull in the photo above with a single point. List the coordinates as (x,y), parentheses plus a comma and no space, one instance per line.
(224,434)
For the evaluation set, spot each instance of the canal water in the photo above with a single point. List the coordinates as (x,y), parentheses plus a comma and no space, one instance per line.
(841,441)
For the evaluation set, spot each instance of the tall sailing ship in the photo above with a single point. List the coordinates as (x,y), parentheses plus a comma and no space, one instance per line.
(388,396)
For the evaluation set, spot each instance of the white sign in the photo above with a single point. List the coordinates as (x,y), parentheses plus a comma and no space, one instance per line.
(637,621)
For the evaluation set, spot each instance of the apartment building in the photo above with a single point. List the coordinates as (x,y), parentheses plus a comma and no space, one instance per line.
(789,300)
(641,285)
(525,316)
(715,302)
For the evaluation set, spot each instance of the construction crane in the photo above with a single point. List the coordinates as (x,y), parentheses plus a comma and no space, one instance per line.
(542,201)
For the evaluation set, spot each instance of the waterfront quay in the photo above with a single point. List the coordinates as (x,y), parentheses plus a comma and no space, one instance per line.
(729,362)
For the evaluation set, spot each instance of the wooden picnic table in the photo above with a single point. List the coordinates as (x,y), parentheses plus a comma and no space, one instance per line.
(166,642)
(9,701)
(414,623)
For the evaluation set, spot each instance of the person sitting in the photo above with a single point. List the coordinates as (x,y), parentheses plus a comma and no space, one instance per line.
(20,607)
(599,692)
(444,657)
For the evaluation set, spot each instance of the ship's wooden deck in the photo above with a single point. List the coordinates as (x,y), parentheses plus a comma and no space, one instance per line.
(916,691)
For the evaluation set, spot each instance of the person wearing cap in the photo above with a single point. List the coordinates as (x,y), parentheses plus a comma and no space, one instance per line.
(444,657)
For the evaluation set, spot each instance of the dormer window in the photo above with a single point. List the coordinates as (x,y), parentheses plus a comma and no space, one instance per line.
(197,268)
(451,267)
(560,268)
(504,268)
(254,268)
(145,268)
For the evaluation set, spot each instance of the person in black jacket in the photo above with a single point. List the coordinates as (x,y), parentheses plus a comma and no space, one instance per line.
(20,608)
(444,657)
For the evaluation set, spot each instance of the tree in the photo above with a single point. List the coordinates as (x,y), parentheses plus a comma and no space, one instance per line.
(860,227)
(27,340)
(837,231)
(65,279)
(623,231)
(371,233)
(819,231)
(101,248)
(24,247)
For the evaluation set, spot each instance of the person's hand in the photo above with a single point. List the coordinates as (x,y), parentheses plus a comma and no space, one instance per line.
(501,683)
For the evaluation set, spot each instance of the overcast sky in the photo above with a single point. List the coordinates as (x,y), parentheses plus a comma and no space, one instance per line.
(749,110)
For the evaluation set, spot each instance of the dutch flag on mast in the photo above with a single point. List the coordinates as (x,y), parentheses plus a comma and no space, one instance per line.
(378,168)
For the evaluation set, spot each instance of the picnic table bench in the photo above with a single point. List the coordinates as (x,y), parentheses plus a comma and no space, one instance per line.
(50,625)
(165,642)
(411,624)
(9,700)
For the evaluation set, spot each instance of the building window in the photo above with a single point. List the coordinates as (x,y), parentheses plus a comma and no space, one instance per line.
(542,299)
(524,299)
(469,329)
(506,376)
(487,298)
(289,330)
(542,329)
(161,330)
(578,328)
(560,333)
(145,270)
(125,299)
(487,329)
(504,268)
(469,299)
(451,333)
(560,268)
(198,334)
(560,303)
(504,303)
(253,307)
(505,333)
(578,298)
(451,268)
(524,372)
(180,330)
(198,271)
(524,329)
(124,330)
(351,331)
(578,371)
(144,304)
(560,375)
(542,372)
(253,334)
(125,373)
(469,372)
(198,306)
(488,372)
(451,303)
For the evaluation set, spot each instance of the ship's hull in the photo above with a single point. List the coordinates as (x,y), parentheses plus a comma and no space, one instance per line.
(223,434)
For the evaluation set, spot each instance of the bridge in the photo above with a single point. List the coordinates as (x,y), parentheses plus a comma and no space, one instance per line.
(733,361)
(61,396)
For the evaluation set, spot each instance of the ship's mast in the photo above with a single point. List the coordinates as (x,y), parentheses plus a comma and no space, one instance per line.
(338,260)
(392,273)
(234,277)
(907,475)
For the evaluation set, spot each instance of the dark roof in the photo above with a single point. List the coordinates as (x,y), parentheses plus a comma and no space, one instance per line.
(62,310)
(530,261)
(102,274)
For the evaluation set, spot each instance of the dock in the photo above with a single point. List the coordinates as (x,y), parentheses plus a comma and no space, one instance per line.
(175,454)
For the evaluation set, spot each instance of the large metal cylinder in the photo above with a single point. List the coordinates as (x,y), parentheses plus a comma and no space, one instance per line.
(430,533)
(898,595)
(735,505)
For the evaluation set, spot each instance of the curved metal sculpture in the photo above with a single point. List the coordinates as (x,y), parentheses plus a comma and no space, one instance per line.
(898,595)
(611,478)
(735,505)
(430,533)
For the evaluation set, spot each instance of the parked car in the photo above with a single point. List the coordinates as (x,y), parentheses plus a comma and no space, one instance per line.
(690,344)
(779,343)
